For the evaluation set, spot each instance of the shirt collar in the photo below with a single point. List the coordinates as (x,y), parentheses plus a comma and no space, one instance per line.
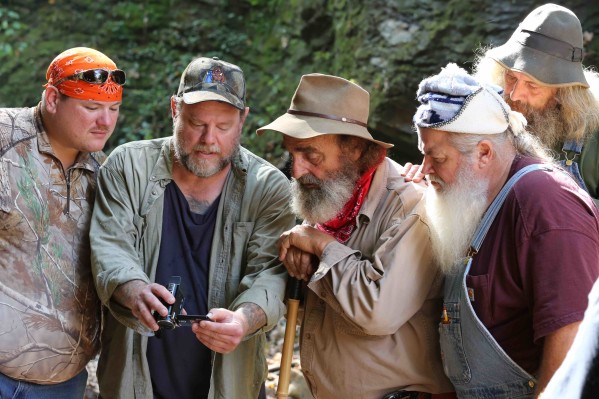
(377,188)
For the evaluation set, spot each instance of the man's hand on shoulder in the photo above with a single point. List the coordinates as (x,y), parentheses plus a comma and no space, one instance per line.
(413,173)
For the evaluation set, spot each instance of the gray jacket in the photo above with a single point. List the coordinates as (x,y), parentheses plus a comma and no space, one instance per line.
(125,237)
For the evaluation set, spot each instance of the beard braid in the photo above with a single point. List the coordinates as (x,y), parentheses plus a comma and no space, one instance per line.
(454,215)
(321,204)
(547,124)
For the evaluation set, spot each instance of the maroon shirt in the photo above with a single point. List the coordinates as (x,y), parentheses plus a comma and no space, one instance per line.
(537,263)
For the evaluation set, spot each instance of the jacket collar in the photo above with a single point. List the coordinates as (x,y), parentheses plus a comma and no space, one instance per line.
(377,188)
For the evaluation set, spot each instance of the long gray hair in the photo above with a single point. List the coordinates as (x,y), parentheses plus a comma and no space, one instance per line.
(515,136)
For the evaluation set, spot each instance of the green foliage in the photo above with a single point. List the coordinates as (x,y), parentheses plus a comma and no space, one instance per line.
(10,29)
(386,46)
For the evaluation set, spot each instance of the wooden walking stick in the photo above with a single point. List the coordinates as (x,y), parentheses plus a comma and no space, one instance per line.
(293,301)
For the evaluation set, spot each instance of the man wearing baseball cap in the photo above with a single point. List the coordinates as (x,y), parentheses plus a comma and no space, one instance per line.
(49,162)
(198,206)
(516,237)
(540,68)
(373,292)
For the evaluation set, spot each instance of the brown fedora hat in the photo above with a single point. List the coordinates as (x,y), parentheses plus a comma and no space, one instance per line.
(547,46)
(325,104)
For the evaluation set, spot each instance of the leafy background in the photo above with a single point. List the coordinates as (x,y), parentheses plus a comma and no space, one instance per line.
(385,46)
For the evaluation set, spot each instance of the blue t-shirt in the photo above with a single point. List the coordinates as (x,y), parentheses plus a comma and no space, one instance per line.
(180,365)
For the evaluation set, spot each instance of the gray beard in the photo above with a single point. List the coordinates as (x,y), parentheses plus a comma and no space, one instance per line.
(454,215)
(546,124)
(202,168)
(321,204)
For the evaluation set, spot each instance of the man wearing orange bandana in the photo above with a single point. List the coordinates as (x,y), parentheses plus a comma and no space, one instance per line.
(373,294)
(49,157)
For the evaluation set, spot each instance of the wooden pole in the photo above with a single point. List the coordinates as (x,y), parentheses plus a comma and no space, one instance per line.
(289,341)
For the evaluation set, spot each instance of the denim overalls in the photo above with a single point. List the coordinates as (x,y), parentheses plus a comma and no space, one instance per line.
(474,362)
(572,149)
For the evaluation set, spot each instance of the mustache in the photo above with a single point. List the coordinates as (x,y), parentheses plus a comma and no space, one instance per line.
(213,148)
(309,179)
(518,105)
(435,179)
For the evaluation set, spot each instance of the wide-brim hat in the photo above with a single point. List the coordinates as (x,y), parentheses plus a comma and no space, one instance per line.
(546,46)
(325,104)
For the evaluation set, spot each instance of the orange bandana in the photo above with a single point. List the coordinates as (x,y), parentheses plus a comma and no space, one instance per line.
(79,59)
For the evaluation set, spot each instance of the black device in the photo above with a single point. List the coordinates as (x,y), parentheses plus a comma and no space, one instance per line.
(174,318)
(402,395)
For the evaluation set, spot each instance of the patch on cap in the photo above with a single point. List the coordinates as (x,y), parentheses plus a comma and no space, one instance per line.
(210,79)
(215,75)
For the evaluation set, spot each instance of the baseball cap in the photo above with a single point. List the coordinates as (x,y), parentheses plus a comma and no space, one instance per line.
(211,79)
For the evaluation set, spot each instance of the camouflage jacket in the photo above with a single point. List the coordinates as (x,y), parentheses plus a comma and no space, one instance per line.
(48,305)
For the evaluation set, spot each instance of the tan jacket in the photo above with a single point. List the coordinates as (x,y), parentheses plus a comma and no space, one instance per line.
(373,305)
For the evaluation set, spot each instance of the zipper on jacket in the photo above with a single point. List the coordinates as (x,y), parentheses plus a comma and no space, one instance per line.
(67,208)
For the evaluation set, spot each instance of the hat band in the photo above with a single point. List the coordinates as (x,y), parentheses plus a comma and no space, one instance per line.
(325,116)
(550,46)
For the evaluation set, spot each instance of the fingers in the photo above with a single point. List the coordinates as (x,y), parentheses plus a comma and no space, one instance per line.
(223,334)
(283,244)
(142,310)
(300,264)
(305,238)
(407,168)
(413,172)
(147,300)
(418,175)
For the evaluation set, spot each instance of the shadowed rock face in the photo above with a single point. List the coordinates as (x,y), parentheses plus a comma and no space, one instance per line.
(398,43)
(389,46)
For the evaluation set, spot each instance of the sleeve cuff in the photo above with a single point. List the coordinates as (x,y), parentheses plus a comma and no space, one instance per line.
(333,253)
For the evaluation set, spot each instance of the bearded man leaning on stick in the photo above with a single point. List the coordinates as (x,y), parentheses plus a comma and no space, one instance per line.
(373,292)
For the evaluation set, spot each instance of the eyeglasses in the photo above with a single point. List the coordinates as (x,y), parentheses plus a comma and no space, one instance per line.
(97,76)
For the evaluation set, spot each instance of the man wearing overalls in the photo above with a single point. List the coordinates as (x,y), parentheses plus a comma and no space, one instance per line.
(516,236)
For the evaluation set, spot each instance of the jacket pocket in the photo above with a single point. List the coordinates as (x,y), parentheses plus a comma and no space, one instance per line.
(455,363)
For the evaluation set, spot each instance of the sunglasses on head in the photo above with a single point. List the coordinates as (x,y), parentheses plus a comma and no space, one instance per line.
(97,76)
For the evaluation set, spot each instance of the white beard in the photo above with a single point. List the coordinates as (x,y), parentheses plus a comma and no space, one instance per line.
(454,215)
(319,205)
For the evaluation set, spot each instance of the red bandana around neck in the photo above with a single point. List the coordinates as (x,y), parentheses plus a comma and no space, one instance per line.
(342,226)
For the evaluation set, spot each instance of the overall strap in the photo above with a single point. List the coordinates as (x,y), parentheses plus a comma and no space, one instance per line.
(572,146)
(487,220)
(571,150)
